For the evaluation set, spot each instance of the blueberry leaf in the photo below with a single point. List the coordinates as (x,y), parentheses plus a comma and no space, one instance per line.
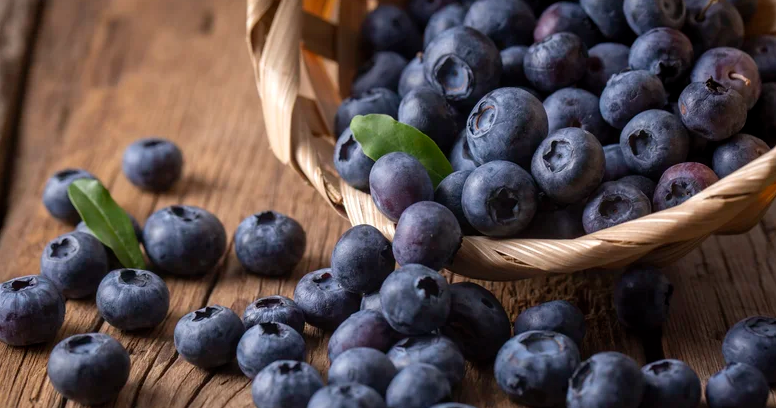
(381,134)
(109,222)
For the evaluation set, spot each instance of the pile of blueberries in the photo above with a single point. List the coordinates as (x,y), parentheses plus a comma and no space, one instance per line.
(645,104)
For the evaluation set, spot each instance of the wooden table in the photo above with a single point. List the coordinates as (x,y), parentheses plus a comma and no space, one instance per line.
(81,79)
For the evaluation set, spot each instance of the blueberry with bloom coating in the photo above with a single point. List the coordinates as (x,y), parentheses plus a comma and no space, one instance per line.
(383,70)
(507,23)
(733,69)
(737,385)
(439,351)
(604,60)
(642,298)
(644,15)
(352,395)
(711,110)
(366,328)
(351,163)
(653,141)
(417,386)
(713,23)
(55,197)
(285,384)
(153,164)
(389,28)
(607,379)
(670,384)
(737,152)
(415,300)
(577,108)
(426,110)
(609,17)
(412,77)
(612,204)
(32,310)
(397,181)
(663,51)
(269,243)
(680,182)
(427,234)
(449,16)
(363,365)
(323,300)
(558,61)
(131,299)
(570,17)
(265,343)
(76,263)
(629,93)
(362,259)
(376,100)
(557,316)
(279,309)
(208,337)
(753,341)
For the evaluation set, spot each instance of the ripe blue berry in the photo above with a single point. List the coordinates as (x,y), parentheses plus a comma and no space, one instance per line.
(680,182)
(577,108)
(665,52)
(365,328)
(269,243)
(449,16)
(609,17)
(279,309)
(557,61)
(75,262)
(351,395)
(153,164)
(285,384)
(653,141)
(439,351)
(55,197)
(351,162)
(670,384)
(449,192)
(753,341)
(426,110)
(389,28)
(733,69)
(604,60)
(427,234)
(557,316)
(362,259)
(383,70)
(507,23)
(629,93)
(737,152)
(415,300)
(323,300)
(397,181)
(363,365)
(31,310)
(131,299)
(375,100)
(711,110)
(644,15)
(712,24)
(606,379)
(612,204)
(412,77)
(738,385)
(208,337)
(569,17)
(642,298)
(266,343)
(417,386)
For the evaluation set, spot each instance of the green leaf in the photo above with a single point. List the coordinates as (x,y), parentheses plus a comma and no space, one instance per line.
(109,222)
(381,134)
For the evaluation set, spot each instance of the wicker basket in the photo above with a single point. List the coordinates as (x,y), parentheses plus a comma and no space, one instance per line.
(299,93)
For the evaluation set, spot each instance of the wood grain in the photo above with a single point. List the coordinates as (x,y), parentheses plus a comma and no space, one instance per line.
(106,73)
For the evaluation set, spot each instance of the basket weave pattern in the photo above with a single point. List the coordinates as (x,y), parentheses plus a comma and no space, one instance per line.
(299,96)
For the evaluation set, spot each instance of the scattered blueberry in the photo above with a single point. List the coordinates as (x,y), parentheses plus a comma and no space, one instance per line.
(31,310)
(604,60)
(629,93)
(644,15)
(507,23)
(616,168)
(762,49)
(278,309)
(363,365)
(265,343)
(389,28)
(324,301)
(131,299)
(642,298)
(285,384)
(460,156)
(417,386)
(711,110)
(711,24)
(733,69)
(75,262)
(427,234)
(439,351)
(415,300)
(665,52)
(153,164)
(577,108)
(569,17)
(557,61)
(653,141)
(612,204)
(606,379)
(680,182)
(737,385)
(448,17)
(670,384)
(366,328)
(376,100)
(55,197)
(557,316)
(208,337)
(646,185)
(371,301)
(737,152)
(412,77)
(362,259)
(397,181)
(383,70)
(428,111)
(753,341)
(352,395)
(269,243)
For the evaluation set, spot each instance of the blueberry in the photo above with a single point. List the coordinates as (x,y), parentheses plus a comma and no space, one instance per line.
(733,69)
(753,341)
(463,65)
(55,197)
(278,309)
(711,110)
(363,365)
(90,369)
(389,28)
(569,165)
(269,243)
(477,321)
(512,66)
(397,181)
(499,199)
(31,310)
(426,110)
(131,299)
(439,351)
(75,262)
(612,204)
(428,234)
(415,300)
(448,17)
(153,164)
(663,51)
(371,301)
(265,343)
(417,386)
(747,8)
(762,49)
(506,124)
(761,121)
(642,298)
(350,161)
(557,316)
(362,259)
(738,385)
(670,384)
(556,223)
(604,60)
(713,23)
(629,93)
(422,10)
(460,156)
(208,337)
(653,141)
(557,61)
(577,108)
(534,368)
(323,300)
(285,384)
(366,328)
(376,100)
(352,395)
(412,77)
(609,17)
(184,240)
(569,17)
(383,70)
(680,182)
(507,23)
(737,152)
(607,379)
(616,168)
(449,192)
(644,15)
(646,185)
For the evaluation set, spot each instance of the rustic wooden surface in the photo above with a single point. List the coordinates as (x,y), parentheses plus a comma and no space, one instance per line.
(105,73)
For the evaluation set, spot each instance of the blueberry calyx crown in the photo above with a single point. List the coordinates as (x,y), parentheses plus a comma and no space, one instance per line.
(205,313)
(20,284)
(715,87)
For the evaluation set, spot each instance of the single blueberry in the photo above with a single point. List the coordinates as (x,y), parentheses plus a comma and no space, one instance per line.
(557,316)
(761,121)
(377,100)
(371,301)
(265,343)
(733,69)
(653,141)
(680,182)
(439,351)
(569,165)
(131,299)
(606,379)
(753,341)
(644,15)
(366,328)
(609,17)
(415,300)
(412,77)
(737,385)
(75,262)
(506,124)
(629,93)
(534,367)
(712,110)
(557,61)
(665,52)
(351,162)
(417,386)
(642,298)
(285,384)
(363,365)
(208,337)
(737,152)
(577,108)
(499,199)
(612,204)
(512,66)
(670,384)
(389,28)
(570,17)
(507,23)
(397,181)
(383,70)
(460,156)
(55,197)
(646,185)
(616,168)
(269,243)
(90,369)
(428,234)
(32,310)
(351,395)
(604,60)
(428,111)
(362,259)
(762,49)
(448,17)
(153,164)
(711,24)
(323,300)
(279,309)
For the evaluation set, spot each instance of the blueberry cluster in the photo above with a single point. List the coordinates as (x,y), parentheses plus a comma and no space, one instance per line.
(559,118)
